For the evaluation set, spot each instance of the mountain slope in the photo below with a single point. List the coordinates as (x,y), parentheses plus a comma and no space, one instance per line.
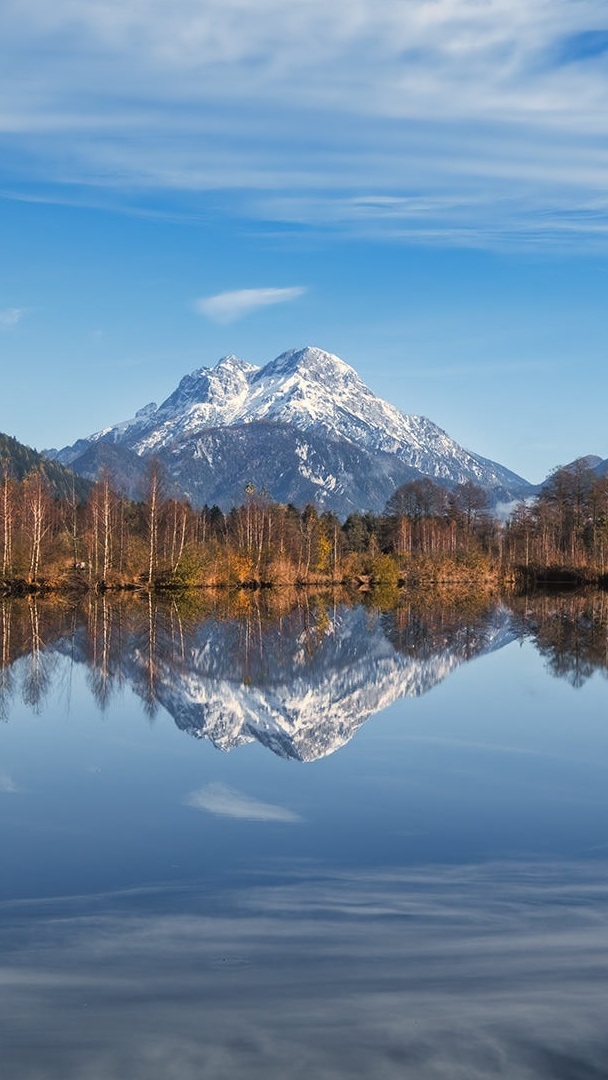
(300,686)
(312,400)
(292,467)
(312,703)
(21,460)
(590,463)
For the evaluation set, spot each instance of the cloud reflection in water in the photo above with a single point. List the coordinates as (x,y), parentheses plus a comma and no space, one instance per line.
(468,972)
(226,801)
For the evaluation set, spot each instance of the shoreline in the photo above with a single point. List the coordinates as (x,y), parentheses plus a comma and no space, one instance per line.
(546,578)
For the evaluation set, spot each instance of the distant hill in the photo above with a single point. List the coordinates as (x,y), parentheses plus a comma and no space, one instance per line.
(591,462)
(22,459)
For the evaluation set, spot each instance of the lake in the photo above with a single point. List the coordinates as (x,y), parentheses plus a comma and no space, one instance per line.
(293,836)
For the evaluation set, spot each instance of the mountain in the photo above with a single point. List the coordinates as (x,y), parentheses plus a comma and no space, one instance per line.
(301,685)
(598,465)
(304,428)
(21,460)
(323,687)
(591,463)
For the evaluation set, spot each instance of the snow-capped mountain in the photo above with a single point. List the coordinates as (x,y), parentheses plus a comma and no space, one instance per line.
(305,428)
(301,686)
(320,693)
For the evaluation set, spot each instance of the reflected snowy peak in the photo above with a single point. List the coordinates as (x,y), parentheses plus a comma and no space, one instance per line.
(301,680)
(304,689)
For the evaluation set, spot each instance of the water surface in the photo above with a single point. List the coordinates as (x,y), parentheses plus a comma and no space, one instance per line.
(304,837)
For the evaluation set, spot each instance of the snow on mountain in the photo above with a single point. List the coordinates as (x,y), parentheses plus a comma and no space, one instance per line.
(301,686)
(304,689)
(310,713)
(304,390)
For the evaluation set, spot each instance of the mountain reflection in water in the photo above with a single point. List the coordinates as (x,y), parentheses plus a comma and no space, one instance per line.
(299,672)
(431,903)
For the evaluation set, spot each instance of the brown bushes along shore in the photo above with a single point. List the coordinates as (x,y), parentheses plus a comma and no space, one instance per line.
(426,535)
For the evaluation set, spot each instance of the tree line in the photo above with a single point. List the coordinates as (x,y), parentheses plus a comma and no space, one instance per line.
(133,637)
(104,540)
(565,527)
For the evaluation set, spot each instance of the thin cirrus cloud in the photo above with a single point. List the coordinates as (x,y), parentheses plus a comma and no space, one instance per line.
(225,801)
(227,307)
(7,784)
(495,111)
(462,971)
(11,317)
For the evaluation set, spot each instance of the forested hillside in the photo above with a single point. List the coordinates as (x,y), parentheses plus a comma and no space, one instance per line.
(19,460)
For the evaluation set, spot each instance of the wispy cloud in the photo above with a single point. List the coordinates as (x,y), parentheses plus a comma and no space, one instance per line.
(8,785)
(11,317)
(448,972)
(226,801)
(453,121)
(227,307)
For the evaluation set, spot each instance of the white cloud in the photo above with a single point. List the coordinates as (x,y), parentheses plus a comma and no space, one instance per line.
(7,784)
(10,317)
(227,307)
(478,122)
(437,973)
(225,801)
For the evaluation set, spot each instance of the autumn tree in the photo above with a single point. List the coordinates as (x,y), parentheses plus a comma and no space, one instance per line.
(7,519)
(36,510)
(154,503)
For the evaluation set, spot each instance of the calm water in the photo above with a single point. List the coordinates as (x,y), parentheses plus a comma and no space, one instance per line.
(315,842)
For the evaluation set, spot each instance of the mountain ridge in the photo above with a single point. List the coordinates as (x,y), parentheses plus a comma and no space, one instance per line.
(331,414)
(307,684)
(20,459)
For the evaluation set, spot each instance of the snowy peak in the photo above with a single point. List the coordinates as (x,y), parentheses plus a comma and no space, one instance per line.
(314,394)
(208,397)
(219,384)
(230,362)
(310,388)
(310,362)
(308,680)
(231,373)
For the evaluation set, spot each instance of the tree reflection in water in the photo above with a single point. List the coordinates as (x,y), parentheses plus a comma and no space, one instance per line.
(570,631)
(433,912)
(297,670)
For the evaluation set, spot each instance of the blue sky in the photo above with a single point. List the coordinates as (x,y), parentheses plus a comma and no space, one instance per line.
(420,187)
